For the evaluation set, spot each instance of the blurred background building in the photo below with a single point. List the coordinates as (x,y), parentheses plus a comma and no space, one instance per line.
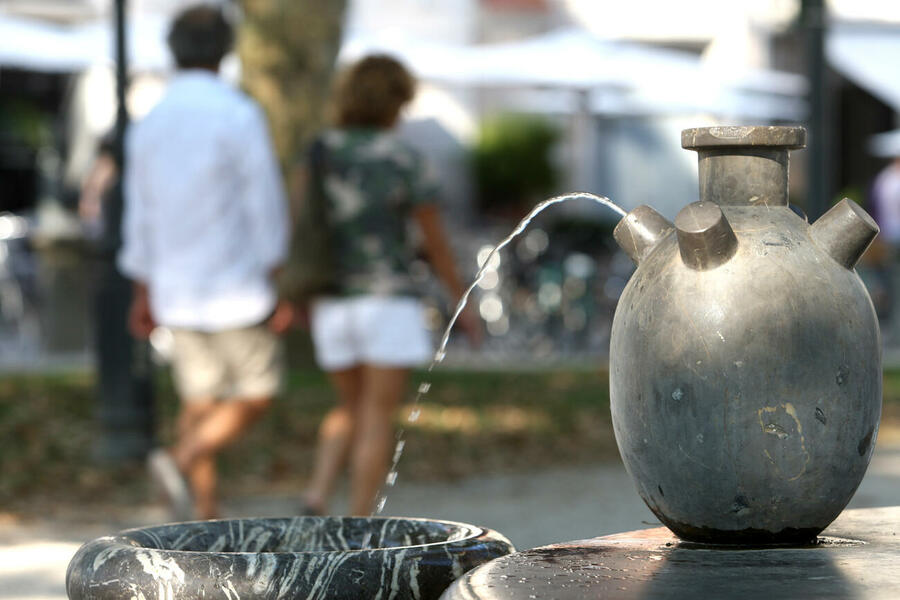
(519,99)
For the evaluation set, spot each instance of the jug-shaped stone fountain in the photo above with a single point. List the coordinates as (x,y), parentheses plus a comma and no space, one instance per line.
(745,359)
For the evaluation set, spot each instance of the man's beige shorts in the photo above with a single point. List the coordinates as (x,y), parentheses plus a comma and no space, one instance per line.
(236,364)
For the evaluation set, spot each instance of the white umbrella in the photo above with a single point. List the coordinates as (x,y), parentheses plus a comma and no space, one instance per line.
(630,78)
(620,78)
(431,61)
(562,59)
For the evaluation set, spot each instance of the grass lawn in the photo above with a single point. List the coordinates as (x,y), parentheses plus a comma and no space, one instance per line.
(471,422)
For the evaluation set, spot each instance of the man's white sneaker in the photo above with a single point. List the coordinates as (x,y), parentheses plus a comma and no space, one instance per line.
(165,472)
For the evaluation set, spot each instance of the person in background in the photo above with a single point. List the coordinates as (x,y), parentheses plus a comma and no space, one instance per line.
(369,331)
(97,184)
(205,230)
(885,194)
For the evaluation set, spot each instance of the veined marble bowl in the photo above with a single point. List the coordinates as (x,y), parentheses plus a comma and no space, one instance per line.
(299,557)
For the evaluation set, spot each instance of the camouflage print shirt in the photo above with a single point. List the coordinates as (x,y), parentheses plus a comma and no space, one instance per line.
(372,181)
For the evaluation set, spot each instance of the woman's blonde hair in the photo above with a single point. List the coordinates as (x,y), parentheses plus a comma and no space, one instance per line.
(371,92)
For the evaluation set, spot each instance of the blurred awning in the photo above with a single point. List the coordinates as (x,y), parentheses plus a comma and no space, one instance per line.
(36,44)
(869,56)
(616,77)
(886,144)
(41,46)
(74,35)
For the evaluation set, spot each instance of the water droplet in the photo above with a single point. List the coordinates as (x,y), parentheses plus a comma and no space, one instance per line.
(367,539)
(700,437)
(391,478)
(439,356)
(424,387)
(678,394)
(380,506)
(414,415)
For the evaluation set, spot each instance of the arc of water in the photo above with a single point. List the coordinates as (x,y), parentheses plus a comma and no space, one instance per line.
(460,306)
(540,207)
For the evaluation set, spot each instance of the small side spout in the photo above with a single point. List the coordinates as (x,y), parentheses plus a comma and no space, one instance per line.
(845,232)
(640,230)
(705,238)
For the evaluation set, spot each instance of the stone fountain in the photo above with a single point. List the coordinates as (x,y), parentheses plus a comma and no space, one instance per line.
(745,357)
(301,557)
(745,388)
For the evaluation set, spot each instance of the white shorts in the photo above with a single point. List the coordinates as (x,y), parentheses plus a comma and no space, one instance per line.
(376,330)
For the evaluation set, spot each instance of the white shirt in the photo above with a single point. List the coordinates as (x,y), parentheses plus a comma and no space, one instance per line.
(205,216)
(886,194)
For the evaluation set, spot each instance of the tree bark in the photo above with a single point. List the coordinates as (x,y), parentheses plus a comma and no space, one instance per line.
(288,50)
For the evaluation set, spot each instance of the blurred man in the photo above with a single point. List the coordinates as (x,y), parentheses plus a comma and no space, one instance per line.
(205,229)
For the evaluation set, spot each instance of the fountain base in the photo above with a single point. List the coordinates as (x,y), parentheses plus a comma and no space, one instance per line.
(858,556)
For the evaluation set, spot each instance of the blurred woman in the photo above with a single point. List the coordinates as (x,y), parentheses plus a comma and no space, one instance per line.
(369,330)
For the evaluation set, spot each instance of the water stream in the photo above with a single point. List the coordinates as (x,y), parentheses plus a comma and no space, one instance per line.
(424,387)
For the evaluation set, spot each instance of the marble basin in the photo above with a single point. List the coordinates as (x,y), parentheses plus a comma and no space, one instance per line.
(299,557)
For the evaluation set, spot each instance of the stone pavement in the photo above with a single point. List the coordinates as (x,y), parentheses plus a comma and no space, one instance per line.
(532,510)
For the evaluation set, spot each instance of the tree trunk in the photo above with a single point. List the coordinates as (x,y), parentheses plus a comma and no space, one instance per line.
(288,50)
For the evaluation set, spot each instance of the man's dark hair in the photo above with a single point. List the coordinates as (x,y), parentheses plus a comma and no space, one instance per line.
(200,37)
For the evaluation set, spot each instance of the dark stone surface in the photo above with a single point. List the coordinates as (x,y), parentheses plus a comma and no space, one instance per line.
(301,557)
(857,558)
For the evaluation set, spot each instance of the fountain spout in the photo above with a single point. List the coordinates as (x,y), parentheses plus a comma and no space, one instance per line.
(845,232)
(640,231)
(705,238)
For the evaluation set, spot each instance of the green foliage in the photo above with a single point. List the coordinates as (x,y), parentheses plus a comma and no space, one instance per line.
(471,422)
(511,162)
(854,192)
(891,386)
(25,123)
(45,423)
